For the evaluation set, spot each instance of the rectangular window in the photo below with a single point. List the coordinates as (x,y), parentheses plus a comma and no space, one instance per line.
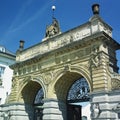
(2,69)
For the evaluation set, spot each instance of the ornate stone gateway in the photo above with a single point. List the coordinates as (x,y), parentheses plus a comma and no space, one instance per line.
(85,54)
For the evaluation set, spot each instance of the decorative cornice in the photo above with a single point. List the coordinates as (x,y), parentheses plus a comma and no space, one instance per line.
(75,45)
(77,34)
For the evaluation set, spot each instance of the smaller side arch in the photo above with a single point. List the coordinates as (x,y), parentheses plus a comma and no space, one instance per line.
(40,81)
(28,80)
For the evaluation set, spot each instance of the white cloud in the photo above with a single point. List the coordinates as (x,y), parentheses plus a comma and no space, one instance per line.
(20,14)
(28,20)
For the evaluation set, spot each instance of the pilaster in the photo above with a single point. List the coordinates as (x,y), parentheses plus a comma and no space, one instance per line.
(14,91)
(99,72)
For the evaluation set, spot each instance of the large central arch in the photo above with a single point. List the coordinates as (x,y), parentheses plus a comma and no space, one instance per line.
(64,83)
(65,78)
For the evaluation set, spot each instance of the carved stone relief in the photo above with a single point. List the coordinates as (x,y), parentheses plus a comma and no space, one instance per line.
(52,29)
(67,67)
(115,84)
(48,77)
(71,56)
(13,82)
(96,110)
(95,59)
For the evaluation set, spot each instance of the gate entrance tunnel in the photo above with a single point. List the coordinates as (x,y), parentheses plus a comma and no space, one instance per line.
(74,112)
(76,89)
(33,95)
(78,97)
(78,112)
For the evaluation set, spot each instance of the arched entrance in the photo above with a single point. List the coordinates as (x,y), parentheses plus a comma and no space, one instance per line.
(32,95)
(73,89)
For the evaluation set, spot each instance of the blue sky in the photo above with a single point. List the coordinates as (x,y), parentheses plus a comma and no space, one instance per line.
(27,19)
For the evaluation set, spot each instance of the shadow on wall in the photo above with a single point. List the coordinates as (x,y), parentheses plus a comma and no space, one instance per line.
(29,93)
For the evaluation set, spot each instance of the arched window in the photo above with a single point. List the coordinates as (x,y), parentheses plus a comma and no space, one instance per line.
(79,91)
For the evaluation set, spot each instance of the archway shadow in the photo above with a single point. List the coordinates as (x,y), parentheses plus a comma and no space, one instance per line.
(28,94)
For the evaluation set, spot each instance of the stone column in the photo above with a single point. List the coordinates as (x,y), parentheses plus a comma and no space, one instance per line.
(54,110)
(16,111)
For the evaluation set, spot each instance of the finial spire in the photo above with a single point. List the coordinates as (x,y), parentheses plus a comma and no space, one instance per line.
(95,9)
(21,47)
(54,28)
(53,9)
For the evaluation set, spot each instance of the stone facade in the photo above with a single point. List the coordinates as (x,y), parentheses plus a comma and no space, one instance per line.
(54,64)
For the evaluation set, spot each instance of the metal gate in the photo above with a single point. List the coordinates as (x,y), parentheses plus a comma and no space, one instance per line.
(74,112)
(38,112)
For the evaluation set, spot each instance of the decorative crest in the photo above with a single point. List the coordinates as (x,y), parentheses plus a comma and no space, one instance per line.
(54,28)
